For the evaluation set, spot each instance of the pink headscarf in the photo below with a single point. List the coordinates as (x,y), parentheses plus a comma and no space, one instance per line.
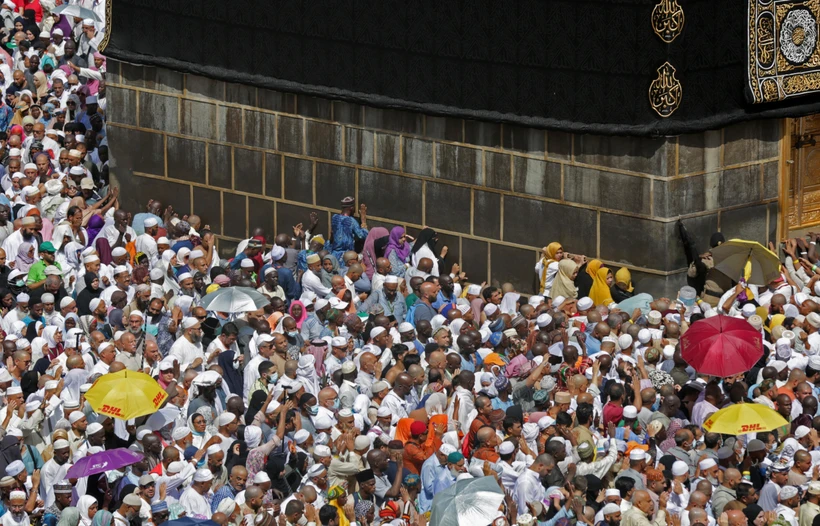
(93,85)
(301,318)
(369,252)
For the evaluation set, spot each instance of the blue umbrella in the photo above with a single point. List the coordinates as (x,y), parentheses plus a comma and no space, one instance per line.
(638,301)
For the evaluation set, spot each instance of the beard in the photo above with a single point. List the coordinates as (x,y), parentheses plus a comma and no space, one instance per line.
(196,339)
(28,236)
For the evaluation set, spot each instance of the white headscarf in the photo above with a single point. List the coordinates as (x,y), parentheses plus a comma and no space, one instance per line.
(85,502)
(508,303)
(37,348)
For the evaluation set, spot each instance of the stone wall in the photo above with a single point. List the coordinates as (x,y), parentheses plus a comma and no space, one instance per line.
(243,157)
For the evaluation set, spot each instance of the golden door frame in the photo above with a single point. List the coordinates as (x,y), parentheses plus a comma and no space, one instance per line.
(799,199)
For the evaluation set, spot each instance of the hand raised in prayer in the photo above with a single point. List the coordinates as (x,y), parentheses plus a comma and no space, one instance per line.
(723,520)
(282,520)
(362,209)
(35,479)
(663,498)
(672,519)
(444,251)
(610,430)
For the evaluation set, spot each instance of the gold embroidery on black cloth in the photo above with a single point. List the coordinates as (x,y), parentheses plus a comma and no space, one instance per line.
(784,49)
(107,36)
(667,20)
(665,92)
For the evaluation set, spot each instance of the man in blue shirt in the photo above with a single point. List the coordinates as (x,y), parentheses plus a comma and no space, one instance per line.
(344,229)
(391,301)
(430,471)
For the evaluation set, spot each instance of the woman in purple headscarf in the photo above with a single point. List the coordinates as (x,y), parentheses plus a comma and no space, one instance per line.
(398,250)
(374,246)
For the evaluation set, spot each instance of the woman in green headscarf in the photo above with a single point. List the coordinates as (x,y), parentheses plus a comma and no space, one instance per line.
(69,517)
(337,497)
(102,518)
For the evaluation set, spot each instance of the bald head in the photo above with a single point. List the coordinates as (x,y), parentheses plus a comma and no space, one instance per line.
(485,435)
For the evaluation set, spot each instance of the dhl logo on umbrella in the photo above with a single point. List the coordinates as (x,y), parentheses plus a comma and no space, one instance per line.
(159,398)
(111,410)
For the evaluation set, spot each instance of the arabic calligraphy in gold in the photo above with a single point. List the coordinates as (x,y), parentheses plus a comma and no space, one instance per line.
(665,92)
(667,20)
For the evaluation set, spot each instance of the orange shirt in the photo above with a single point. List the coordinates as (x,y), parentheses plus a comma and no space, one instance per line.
(415,454)
(786,391)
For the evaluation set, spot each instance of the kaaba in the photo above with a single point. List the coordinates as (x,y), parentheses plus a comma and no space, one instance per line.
(503,125)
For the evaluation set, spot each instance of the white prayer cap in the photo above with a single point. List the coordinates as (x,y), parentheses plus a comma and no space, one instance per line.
(261,477)
(543,320)
(51,384)
(227,505)
(23,298)
(801,431)
(474,290)
(321,451)
(22,344)
(189,322)
(246,263)
(15,152)
(17,495)
(630,411)
(383,412)
(61,444)
(679,468)
(176,467)
(262,339)
(644,336)
(203,475)
(814,320)
(490,309)
(180,432)
(320,304)
(585,303)
(611,508)
(272,407)
(707,463)
(391,279)
(637,454)
(196,253)
(5,375)
(150,222)
(506,448)
(612,492)
(88,22)
(301,436)
(545,422)
(624,341)
(779,365)
(117,252)
(15,468)
(213,449)
(405,327)
(376,331)
(185,275)
(47,298)
(75,416)
(95,427)
(163,241)
(90,259)
(322,421)
(15,432)
(787,492)
(57,31)
(225,418)
(341,341)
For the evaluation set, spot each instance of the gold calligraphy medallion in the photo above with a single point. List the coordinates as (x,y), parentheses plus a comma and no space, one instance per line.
(665,92)
(668,20)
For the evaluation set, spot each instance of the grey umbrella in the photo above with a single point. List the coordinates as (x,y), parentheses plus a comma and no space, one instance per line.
(77,12)
(233,300)
(470,502)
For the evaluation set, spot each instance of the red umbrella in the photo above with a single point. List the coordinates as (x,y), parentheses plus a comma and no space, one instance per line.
(721,346)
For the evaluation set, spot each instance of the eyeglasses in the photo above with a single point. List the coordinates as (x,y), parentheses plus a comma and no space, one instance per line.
(200,317)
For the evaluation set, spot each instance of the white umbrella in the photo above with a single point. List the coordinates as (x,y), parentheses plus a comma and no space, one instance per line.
(470,502)
(77,12)
(162,418)
(233,300)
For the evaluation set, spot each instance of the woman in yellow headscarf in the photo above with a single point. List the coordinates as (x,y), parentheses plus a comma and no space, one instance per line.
(337,497)
(547,267)
(586,276)
(600,292)
(563,285)
(622,289)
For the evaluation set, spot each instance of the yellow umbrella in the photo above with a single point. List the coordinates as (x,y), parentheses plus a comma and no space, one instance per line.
(125,395)
(732,257)
(739,419)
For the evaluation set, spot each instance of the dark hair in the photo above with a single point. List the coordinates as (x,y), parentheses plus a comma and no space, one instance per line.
(616,391)
(327,513)
(563,419)
(486,293)
(624,485)
(584,413)
(229,329)
(410,359)
(264,366)
(71,211)
(509,422)
(743,490)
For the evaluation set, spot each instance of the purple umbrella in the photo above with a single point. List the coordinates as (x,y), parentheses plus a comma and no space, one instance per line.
(102,462)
